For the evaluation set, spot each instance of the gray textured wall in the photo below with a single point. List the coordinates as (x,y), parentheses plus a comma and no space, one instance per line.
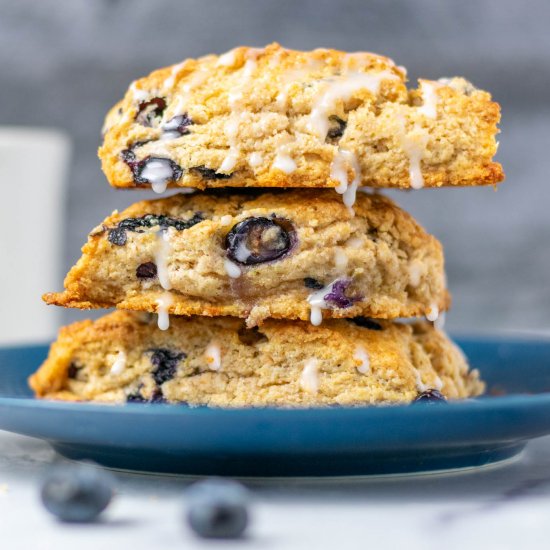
(64,63)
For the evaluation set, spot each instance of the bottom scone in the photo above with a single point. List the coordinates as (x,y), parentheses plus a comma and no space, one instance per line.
(124,357)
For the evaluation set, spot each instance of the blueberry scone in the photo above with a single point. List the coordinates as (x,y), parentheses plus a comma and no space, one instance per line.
(290,254)
(124,357)
(274,117)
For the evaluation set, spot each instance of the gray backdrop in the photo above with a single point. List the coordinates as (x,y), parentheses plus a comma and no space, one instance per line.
(65,62)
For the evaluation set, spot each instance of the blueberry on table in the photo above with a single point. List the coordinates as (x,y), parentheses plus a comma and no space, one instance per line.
(258,240)
(77,492)
(217,508)
(430,397)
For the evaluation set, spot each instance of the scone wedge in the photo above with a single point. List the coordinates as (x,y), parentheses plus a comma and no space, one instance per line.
(123,357)
(274,117)
(295,254)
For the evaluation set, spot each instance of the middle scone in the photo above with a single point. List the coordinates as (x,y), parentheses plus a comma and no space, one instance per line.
(296,254)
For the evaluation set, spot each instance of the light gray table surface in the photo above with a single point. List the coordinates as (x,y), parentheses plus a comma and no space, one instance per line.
(500,507)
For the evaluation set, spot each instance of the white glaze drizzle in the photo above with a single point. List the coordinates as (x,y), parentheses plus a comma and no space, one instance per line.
(226,220)
(119,364)
(340,258)
(343,159)
(291,77)
(420,386)
(138,95)
(255,159)
(429,97)
(283,161)
(354,242)
(362,356)
(309,378)
(342,87)
(176,69)
(235,98)
(213,356)
(162,251)
(232,269)
(416,271)
(227,59)
(163,304)
(317,303)
(414,145)
(158,173)
(433,313)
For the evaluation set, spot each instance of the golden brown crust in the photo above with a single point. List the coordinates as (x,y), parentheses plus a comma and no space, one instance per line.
(255,368)
(268,101)
(395,269)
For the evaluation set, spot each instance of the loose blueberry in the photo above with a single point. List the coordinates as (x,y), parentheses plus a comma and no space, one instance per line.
(431,397)
(337,128)
(258,240)
(337,295)
(210,173)
(217,508)
(312,283)
(365,322)
(117,235)
(150,112)
(77,492)
(177,126)
(146,271)
(165,362)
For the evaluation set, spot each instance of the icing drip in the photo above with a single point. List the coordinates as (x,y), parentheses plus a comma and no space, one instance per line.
(317,303)
(362,357)
(340,259)
(433,313)
(342,87)
(226,220)
(161,258)
(414,145)
(235,98)
(137,94)
(429,97)
(213,356)
(255,159)
(163,304)
(227,59)
(416,271)
(438,383)
(232,269)
(158,173)
(342,160)
(283,161)
(291,77)
(309,379)
(354,242)
(176,69)
(120,363)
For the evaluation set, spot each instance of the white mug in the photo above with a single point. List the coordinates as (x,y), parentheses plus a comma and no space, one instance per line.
(33,166)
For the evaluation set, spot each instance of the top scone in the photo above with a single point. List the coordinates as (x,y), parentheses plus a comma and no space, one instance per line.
(274,117)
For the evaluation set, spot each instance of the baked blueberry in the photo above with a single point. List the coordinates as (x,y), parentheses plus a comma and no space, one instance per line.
(217,508)
(336,129)
(150,112)
(177,126)
(165,362)
(77,492)
(117,235)
(258,240)
(337,296)
(430,397)
(156,397)
(365,322)
(72,371)
(210,173)
(312,283)
(147,270)
(156,169)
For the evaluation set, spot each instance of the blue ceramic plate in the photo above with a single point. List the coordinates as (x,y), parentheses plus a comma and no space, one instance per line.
(312,442)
